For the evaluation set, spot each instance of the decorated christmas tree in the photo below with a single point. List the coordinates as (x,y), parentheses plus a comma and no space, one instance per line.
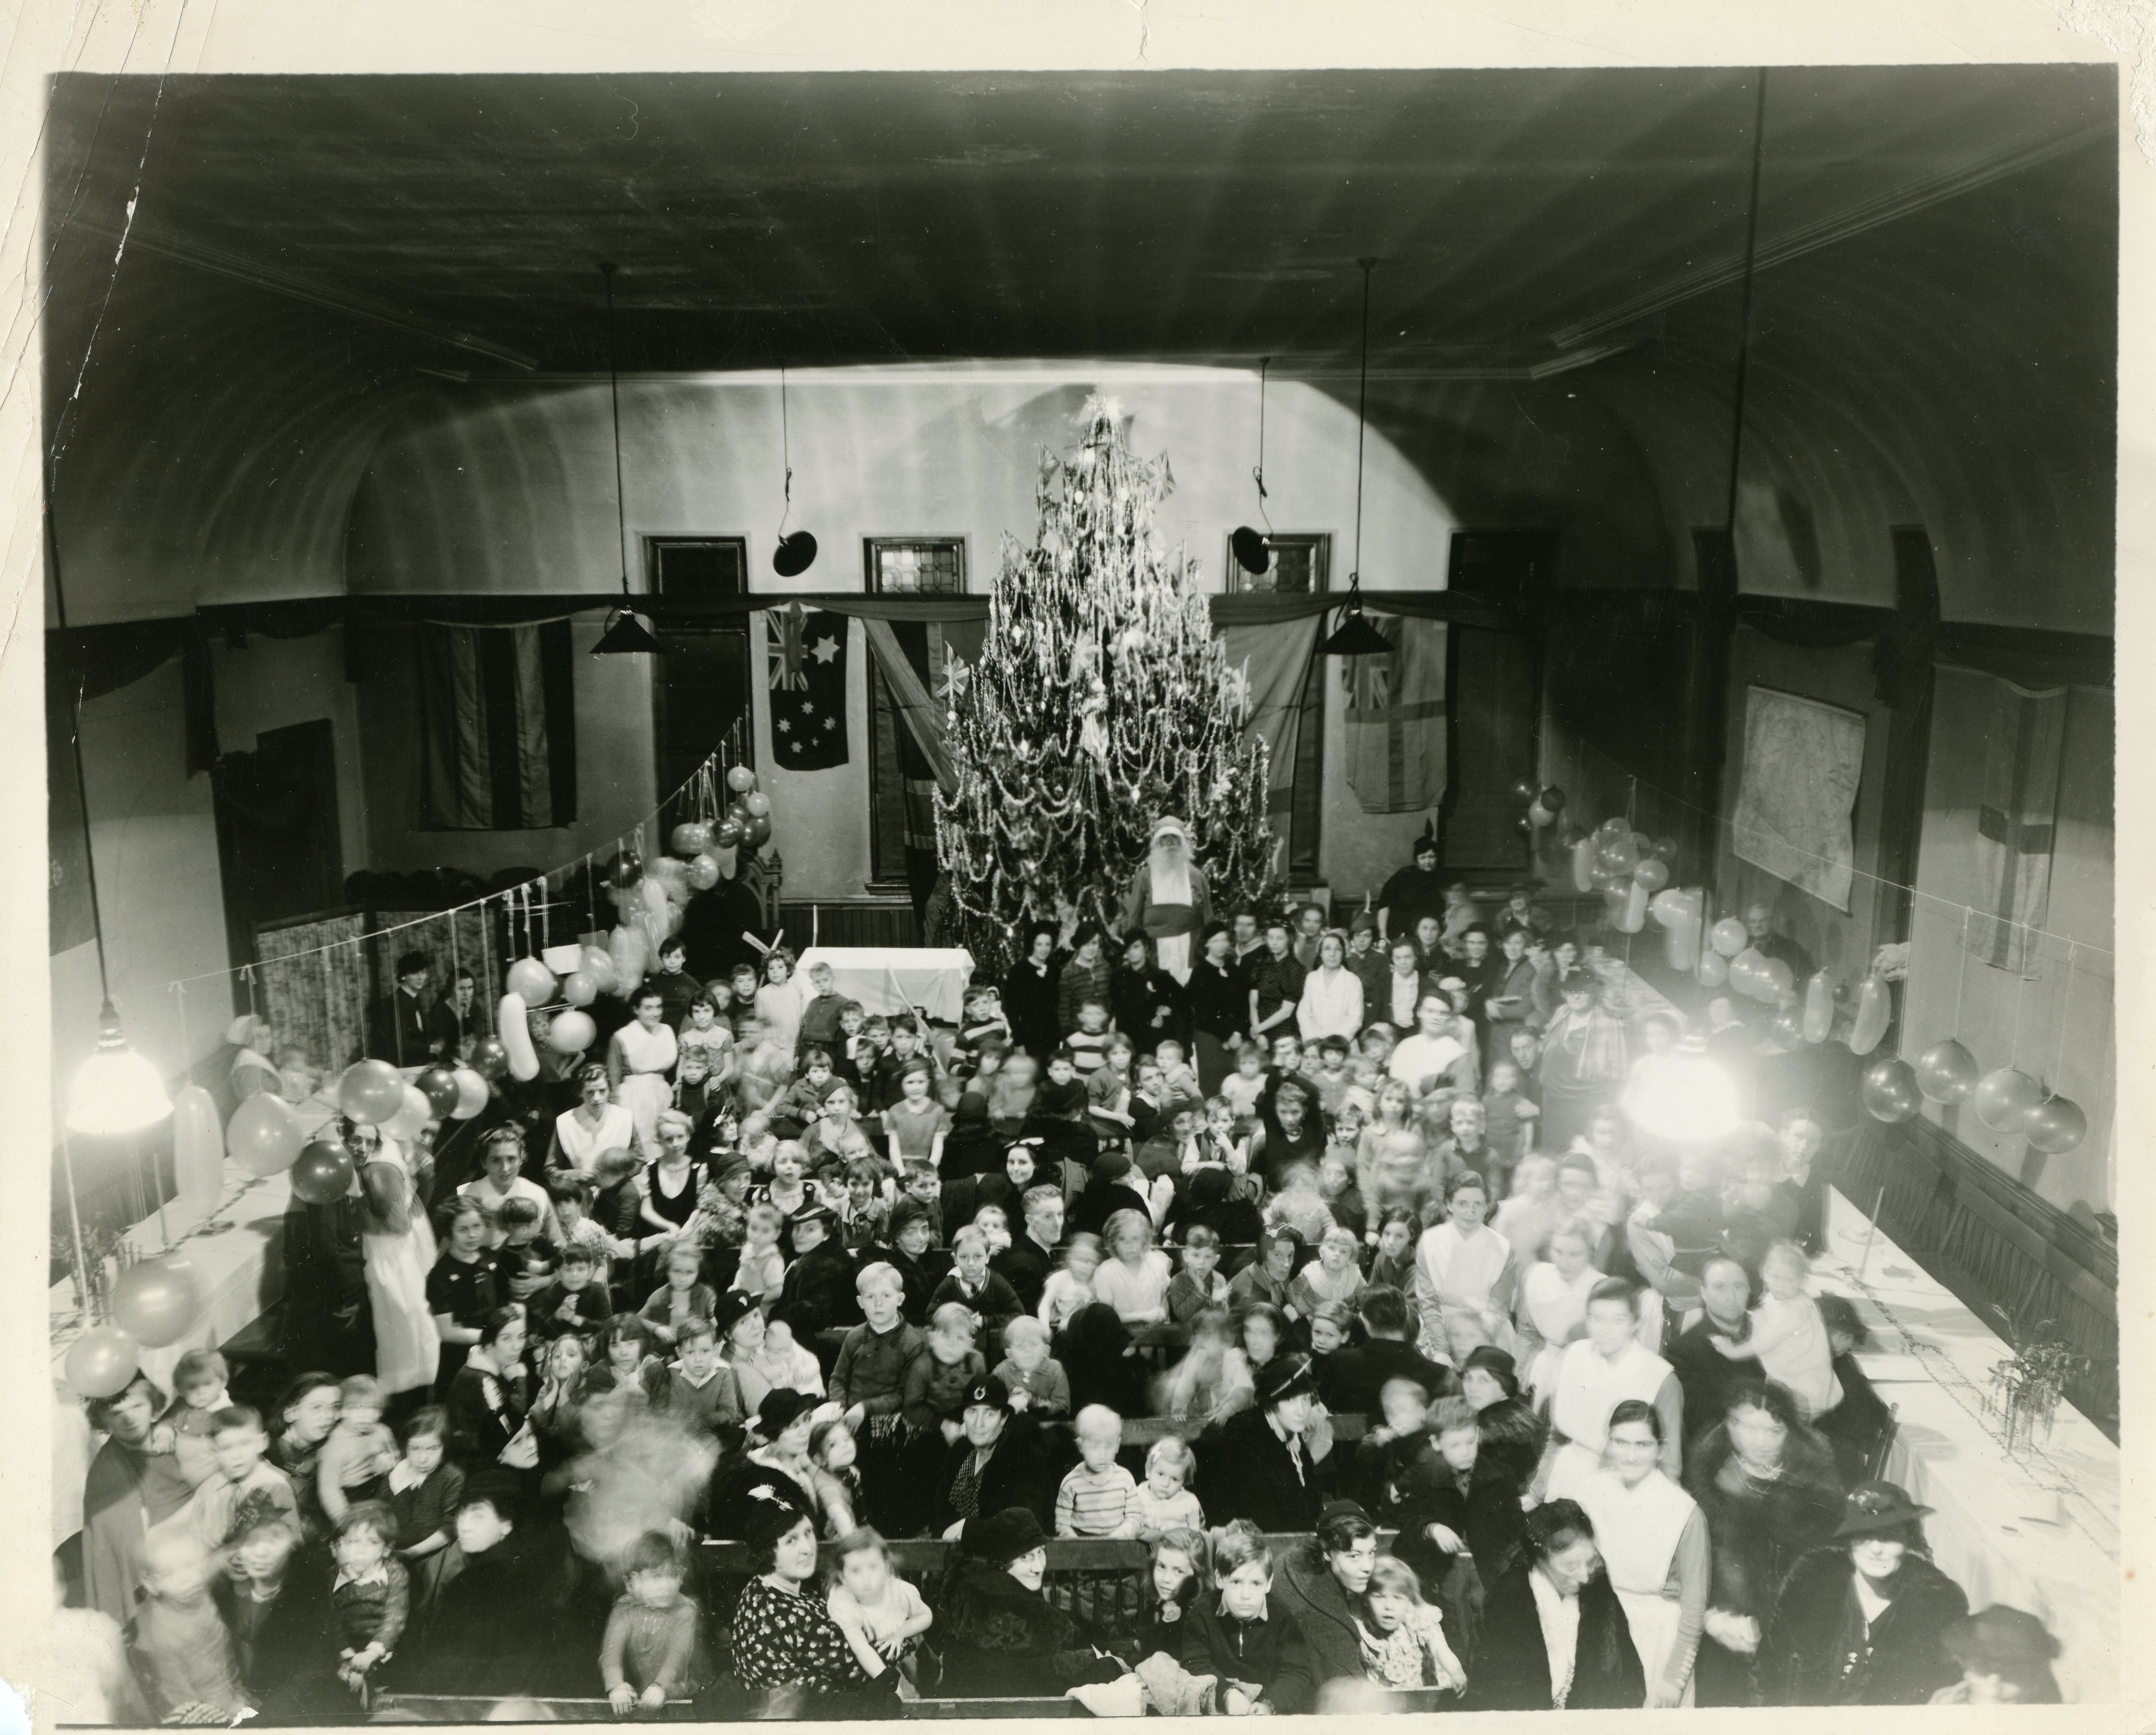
(1102,700)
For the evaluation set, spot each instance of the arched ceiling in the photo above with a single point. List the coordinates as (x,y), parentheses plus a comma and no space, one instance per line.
(1553,314)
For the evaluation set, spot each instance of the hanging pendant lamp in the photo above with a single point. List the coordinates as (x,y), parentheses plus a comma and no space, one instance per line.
(795,552)
(625,635)
(1355,636)
(1252,551)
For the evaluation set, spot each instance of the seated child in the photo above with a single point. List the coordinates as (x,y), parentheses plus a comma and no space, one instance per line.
(1177,1076)
(1392,1260)
(1089,1043)
(1218,1144)
(1242,1088)
(785,1364)
(198,1378)
(245,1484)
(1198,1285)
(1328,1076)
(629,1341)
(359,1452)
(1265,1278)
(701,1393)
(1163,1501)
(915,1122)
(574,1301)
(865,1219)
(947,1367)
(1095,1497)
(527,1260)
(984,1018)
(372,1593)
(1388,1458)
(1300,1205)
(684,1296)
(1461,1524)
(1036,1382)
(1336,1186)
(801,1103)
(1411,1650)
(1198,1389)
(424,1487)
(653,1648)
(571,1196)
(1328,1322)
(1071,1288)
(994,1226)
(762,1272)
(879,1612)
(986,1295)
(1176,1581)
(182,1653)
(1333,1276)
(1252,1646)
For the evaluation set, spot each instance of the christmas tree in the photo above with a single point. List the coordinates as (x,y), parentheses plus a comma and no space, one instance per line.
(1102,702)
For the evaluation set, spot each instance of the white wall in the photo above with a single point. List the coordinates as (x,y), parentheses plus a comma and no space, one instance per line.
(510,489)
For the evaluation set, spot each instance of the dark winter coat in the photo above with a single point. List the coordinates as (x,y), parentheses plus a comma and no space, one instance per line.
(1271,1653)
(1304,1587)
(1815,1650)
(1245,1471)
(1000,1641)
(1017,1474)
(1486,1518)
(1511,1669)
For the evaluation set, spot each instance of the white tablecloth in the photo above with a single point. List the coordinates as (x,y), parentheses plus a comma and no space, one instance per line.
(895,978)
(2037,1529)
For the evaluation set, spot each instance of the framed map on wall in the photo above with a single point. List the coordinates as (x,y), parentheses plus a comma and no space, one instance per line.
(1797,794)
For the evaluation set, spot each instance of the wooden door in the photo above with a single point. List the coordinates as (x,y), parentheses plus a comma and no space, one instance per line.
(279,849)
(1495,683)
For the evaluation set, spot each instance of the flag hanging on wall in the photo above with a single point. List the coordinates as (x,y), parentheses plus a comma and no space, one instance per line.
(497,719)
(807,649)
(1395,718)
(2016,824)
(1275,656)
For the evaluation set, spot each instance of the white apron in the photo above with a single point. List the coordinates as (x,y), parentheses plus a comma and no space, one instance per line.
(1453,1275)
(644,1092)
(1638,1530)
(1556,1309)
(1588,1388)
(406,1347)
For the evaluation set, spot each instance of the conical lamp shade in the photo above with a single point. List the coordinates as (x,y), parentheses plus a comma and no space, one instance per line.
(625,636)
(117,1090)
(1355,636)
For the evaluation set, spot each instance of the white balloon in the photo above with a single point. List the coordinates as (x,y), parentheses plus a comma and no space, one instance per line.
(409,1122)
(197,1151)
(513,1023)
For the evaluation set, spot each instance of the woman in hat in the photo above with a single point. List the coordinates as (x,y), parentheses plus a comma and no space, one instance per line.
(2005,1658)
(1768,1486)
(1513,1434)
(1029,994)
(1168,899)
(1001,1637)
(997,1463)
(777,1462)
(1863,1620)
(1259,1465)
(1220,1007)
(1554,1637)
(783,1634)
(1323,1584)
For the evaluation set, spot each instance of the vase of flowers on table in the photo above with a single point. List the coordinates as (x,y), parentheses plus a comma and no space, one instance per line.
(2029,1386)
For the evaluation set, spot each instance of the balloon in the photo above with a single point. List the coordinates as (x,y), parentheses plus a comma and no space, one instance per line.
(1614,827)
(1729,936)
(1713,968)
(628,869)
(572,1033)
(671,877)
(1890,1091)
(1583,865)
(756,833)
(1781,981)
(632,956)
(263,1135)
(157,1301)
(1788,1026)
(741,780)
(1680,944)
(101,1362)
(471,1093)
(1633,916)
(598,965)
(692,838)
(324,1173)
(727,834)
(1669,907)
(2003,1099)
(531,982)
(513,1019)
(369,1090)
(651,918)
(1667,848)
(1553,799)
(674,913)
(439,1085)
(1524,791)
(410,1120)
(1617,855)
(1875,1005)
(756,805)
(1652,874)
(197,1151)
(2056,1124)
(489,1058)
(1747,972)
(1538,816)
(578,989)
(1946,1071)
(1818,1007)
(703,873)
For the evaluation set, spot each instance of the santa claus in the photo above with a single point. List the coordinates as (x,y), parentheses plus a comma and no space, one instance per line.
(1168,899)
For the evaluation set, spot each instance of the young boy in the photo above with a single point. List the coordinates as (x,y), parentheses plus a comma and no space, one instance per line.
(1508,1115)
(801,1103)
(886,1081)
(868,1383)
(573,1302)
(372,1595)
(821,1018)
(1388,1457)
(1095,1497)
(1163,1501)
(1241,1089)
(949,1366)
(1252,1647)
(424,1487)
(1198,1285)
(1088,1042)
(199,1377)
(181,1654)
(1217,1144)
(675,988)
(1177,1077)
(244,1486)
(1036,1380)
(741,986)
(987,1296)
(701,1392)
(984,1018)
(1461,1517)
(359,1452)
(654,1650)
(684,1296)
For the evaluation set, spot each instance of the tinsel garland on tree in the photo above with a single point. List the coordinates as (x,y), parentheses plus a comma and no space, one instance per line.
(1102,700)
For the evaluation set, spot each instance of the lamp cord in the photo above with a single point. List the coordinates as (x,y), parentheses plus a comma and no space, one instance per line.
(614,394)
(785,455)
(1362,404)
(1744,307)
(1258,475)
(89,857)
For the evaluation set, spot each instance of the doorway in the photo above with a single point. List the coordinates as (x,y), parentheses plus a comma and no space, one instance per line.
(278,849)
(699,687)
(1495,680)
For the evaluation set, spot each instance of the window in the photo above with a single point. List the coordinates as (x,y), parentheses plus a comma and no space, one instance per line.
(1300,567)
(901,785)
(699,690)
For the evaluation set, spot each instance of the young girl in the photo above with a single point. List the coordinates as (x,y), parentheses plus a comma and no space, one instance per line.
(786,1192)
(707,1033)
(1163,1501)
(778,1002)
(1333,1276)
(1178,1577)
(465,1286)
(629,1359)
(1328,1322)
(1787,1335)
(916,1124)
(1393,1263)
(762,1272)
(425,1487)
(683,1297)
(1071,1288)
(198,1383)
(1134,1282)
(1404,1639)
(879,1612)
(832,1453)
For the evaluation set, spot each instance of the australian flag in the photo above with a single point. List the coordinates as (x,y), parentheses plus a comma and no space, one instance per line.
(808,653)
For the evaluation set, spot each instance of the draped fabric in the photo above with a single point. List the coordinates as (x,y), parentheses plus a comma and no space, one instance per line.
(917,660)
(1395,718)
(2017,825)
(497,728)
(1275,658)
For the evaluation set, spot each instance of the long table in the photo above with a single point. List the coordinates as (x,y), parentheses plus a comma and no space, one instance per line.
(2036,1527)
(893,979)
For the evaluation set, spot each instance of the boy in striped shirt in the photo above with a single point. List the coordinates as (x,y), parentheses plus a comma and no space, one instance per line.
(1098,1497)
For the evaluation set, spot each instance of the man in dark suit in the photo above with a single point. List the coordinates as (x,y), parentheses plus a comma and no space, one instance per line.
(1759,925)
(1351,1379)
(454,1022)
(403,1033)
